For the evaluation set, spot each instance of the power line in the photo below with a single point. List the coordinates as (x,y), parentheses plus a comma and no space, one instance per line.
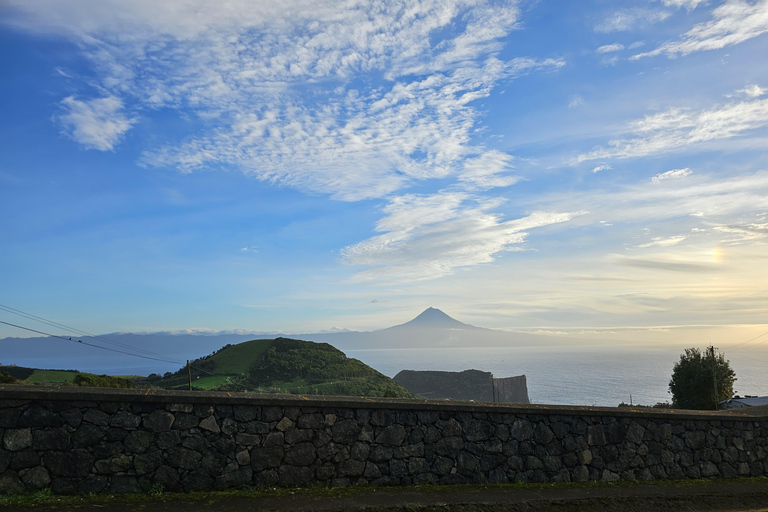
(79,332)
(89,344)
(161,359)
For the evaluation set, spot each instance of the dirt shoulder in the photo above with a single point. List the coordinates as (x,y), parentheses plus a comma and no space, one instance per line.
(720,495)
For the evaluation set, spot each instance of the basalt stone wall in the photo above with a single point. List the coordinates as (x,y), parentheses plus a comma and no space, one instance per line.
(85,440)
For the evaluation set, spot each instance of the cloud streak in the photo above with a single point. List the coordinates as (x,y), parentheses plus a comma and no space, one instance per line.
(430,236)
(733,22)
(676,129)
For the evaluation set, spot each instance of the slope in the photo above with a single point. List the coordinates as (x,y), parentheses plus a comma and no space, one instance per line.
(287,366)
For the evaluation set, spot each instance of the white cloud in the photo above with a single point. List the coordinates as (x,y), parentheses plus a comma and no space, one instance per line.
(671,175)
(426,237)
(608,48)
(602,168)
(622,20)
(675,129)
(576,101)
(688,4)
(733,22)
(96,124)
(754,91)
(485,171)
(276,83)
(660,241)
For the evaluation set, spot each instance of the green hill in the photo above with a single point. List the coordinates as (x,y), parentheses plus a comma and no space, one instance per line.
(285,366)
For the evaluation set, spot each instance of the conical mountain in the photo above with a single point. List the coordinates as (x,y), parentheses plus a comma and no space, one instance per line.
(433,318)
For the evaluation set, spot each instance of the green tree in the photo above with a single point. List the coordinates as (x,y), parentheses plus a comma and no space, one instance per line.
(701,380)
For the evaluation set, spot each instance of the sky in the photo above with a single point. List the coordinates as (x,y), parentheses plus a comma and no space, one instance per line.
(587,168)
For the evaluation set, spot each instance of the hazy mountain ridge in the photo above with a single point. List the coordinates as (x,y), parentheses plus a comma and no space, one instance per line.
(431,329)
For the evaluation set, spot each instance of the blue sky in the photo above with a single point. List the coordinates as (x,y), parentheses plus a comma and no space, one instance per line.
(576,167)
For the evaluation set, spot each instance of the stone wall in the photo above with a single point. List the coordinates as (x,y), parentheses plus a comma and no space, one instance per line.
(86,440)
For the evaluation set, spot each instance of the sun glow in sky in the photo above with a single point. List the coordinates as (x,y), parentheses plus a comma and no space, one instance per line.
(584,167)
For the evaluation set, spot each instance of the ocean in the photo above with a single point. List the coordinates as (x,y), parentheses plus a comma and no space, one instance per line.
(574,375)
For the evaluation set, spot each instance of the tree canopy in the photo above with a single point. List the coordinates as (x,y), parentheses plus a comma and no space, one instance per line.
(701,380)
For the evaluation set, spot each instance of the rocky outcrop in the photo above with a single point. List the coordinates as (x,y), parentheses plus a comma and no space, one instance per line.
(467,385)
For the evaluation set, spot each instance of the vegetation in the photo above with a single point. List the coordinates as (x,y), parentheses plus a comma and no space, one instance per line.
(282,366)
(658,405)
(6,378)
(701,380)
(47,377)
(100,381)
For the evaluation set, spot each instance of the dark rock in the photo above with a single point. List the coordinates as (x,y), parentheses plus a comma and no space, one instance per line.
(542,434)
(15,440)
(5,460)
(167,477)
(294,475)
(124,485)
(313,421)
(383,417)
(9,418)
(124,419)
(24,459)
(87,435)
(93,484)
(596,435)
(302,454)
(351,467)
(96,417)
(148,462)
(246,413)
(167,440)
(37,416)
(398,468)
(298,436)
(50,439)
(266,457)
(116,434)
(185,421)
(345,432)
(247,439)
(183,458)
(393,435)
(478,431)
(10,483)
(196,442)
(36,478)
(380,454)
(158,421)
(449,427)
(106,450)
(73,463)
(138,441)
(224,445)
(214,462)
(196,480)
(237,478)
(274,439)
(521,430)
(417,466)
(449,446)
(360,451)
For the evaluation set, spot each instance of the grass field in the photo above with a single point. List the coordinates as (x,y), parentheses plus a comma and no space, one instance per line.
(50,377)
(239,358)
(211,382)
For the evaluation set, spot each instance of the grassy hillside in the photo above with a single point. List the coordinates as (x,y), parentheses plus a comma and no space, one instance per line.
(287,366)
(236,359)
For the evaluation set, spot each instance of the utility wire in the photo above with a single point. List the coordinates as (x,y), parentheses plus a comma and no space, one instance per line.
(79,332)
(89,344)
(161,358)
